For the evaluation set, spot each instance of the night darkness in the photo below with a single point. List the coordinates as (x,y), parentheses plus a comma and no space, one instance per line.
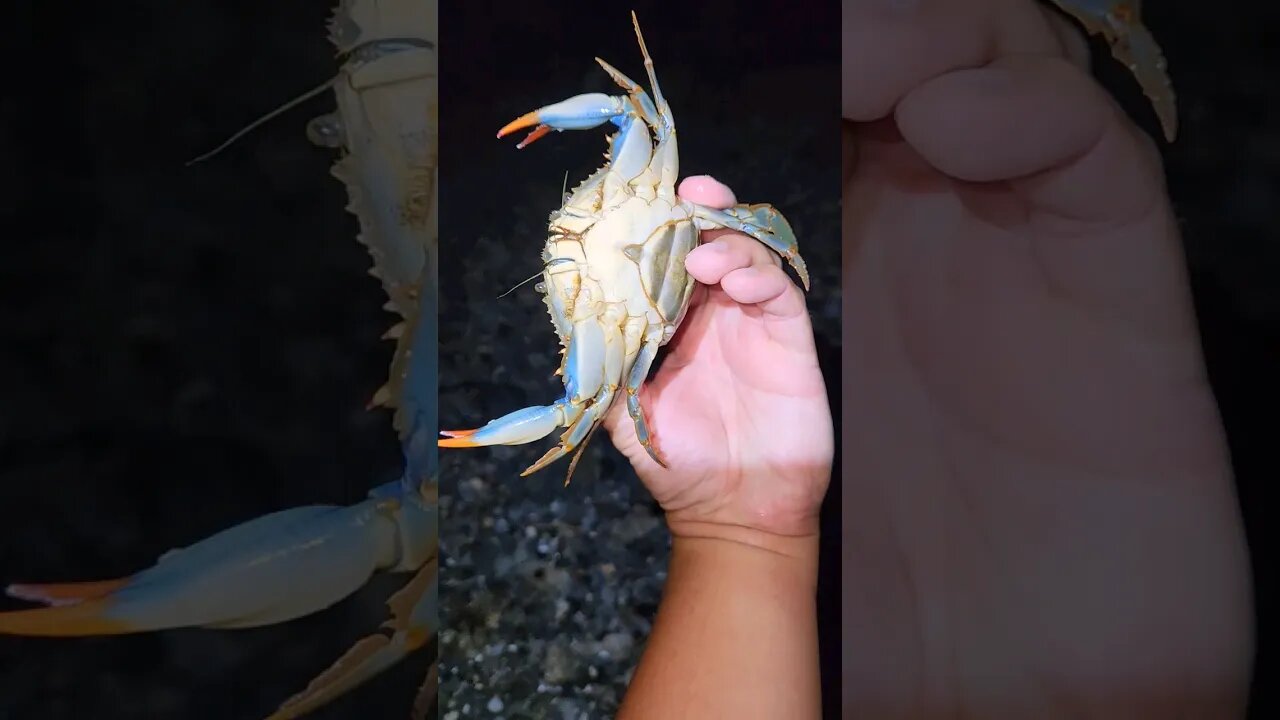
(1224,178)
(185,348)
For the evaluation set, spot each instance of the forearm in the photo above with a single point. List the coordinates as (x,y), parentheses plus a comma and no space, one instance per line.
(736,633)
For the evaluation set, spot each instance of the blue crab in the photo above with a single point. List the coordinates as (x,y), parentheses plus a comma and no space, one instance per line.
(614,280)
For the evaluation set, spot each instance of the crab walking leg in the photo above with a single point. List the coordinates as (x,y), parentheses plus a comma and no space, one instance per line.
(640,371)
(762,222)
(584,374)
(614,351)
(266,571)
(425,701)
(1131,43)
(664,165)
(663,108)
(413,608)
(1139,50)
(586,422)
(640,99)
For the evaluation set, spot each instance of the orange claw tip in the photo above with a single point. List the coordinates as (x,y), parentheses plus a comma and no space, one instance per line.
(458,433)
(538,132)
(79,620)
(524,121)
(457,439)
(65,593)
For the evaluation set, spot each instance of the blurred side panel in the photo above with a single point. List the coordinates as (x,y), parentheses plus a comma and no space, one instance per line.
(191,355)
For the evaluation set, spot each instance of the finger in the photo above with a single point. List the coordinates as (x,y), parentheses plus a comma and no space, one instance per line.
(709,192)
(766,293)
(1039,121)
(768,288)
(710,262)
(889,47)
(706,190)
(980,91)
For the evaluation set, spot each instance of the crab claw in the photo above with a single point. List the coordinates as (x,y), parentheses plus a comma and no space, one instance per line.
(71,612)
(266,571)
(532,137)
(56,594)
(517,428)
(581,112)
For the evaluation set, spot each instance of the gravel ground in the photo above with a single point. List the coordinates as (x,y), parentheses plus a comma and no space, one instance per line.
(184,349)
(549,591)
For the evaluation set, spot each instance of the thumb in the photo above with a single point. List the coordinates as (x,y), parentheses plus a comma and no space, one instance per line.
(707,191)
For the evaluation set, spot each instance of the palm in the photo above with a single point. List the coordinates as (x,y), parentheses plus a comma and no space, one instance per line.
(1033,450)
(1036,341)
(738,410)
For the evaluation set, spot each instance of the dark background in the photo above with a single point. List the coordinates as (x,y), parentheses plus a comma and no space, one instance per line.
(1224,178)
(548,592)
(182,349)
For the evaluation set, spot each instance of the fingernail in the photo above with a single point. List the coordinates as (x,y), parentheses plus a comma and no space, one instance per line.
(707,191)
(699,182)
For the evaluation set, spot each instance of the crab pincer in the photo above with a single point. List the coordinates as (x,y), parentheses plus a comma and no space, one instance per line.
(265,571)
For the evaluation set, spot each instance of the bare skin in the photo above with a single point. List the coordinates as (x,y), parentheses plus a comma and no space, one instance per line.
(740,414)
(1039,517)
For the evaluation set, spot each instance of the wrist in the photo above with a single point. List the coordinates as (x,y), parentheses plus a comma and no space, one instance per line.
(788,557)
(770,511)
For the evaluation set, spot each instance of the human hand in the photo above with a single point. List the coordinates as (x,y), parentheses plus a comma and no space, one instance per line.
(738,409)
(1040,518)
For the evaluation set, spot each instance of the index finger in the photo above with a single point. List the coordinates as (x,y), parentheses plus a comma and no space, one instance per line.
(988,90)
(890,47)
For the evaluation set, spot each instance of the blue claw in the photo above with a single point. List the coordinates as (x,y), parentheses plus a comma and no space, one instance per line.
(581,112)
(517,428)
(265,571)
